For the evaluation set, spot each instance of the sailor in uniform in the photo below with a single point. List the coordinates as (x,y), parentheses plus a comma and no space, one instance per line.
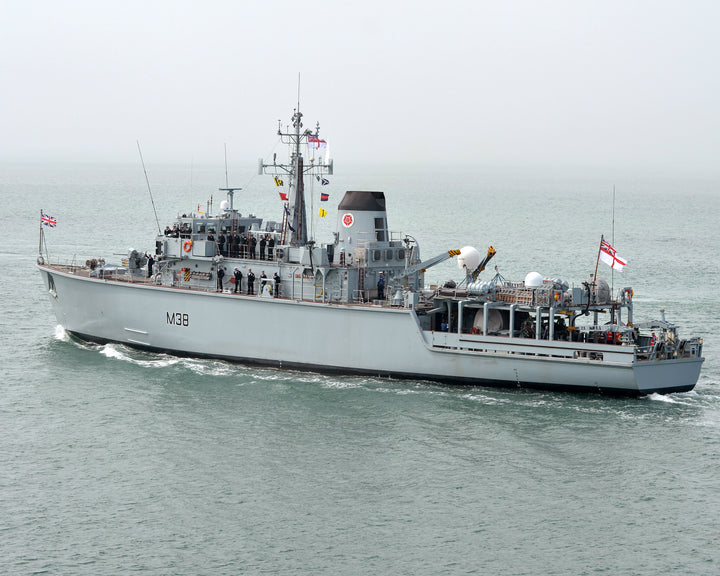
(270,247)
(381,286)
(238,281)
(243,246)
(263,242)
(276,277)
(253,242)
(251,282)
(220,274)
(221,243)
(150,261)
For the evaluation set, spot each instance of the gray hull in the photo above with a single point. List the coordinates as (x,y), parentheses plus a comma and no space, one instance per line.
(346,338)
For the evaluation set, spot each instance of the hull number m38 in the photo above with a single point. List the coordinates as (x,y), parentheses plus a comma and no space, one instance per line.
(178,318)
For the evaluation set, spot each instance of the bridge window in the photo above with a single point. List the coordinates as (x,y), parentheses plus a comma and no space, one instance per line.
(380,229)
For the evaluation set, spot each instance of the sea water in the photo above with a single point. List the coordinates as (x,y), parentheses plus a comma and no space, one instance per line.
(116,461)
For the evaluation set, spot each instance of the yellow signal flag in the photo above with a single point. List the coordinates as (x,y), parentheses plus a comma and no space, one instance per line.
(278,182)
(322,213)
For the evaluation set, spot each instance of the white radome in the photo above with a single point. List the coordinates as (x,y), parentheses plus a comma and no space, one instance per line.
(533,280)
(469,258)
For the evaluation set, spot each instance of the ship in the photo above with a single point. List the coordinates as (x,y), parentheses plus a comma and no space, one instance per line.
(229,285)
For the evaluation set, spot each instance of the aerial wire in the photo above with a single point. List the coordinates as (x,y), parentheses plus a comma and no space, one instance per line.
(227,183)
(147,180)
(612,270)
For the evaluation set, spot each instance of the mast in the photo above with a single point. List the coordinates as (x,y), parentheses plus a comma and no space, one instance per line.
(294,172)
(40,240)
(298,229)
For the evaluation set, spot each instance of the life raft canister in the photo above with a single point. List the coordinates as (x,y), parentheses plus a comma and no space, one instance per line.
(187,245)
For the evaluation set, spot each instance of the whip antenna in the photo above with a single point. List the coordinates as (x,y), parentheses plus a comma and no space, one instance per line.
(227,184)
(147,180)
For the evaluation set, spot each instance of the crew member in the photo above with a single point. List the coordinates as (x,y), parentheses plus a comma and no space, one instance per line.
(243,245)
(263,242)
(220,274)
(527,330)
(271,247)
(381,286)
(252,241)
(151,261)
(276,277)
(238,281)
(251,282)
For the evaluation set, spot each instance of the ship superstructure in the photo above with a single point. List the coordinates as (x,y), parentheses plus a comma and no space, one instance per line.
(234,286)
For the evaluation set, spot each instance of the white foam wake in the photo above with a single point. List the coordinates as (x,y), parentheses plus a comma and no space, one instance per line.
(119,352)
(61,334)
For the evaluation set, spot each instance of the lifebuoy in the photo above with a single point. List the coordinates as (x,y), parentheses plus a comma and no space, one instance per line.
(187,245)
(628,293)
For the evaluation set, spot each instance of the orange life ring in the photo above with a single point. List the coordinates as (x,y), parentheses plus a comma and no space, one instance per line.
(187,245)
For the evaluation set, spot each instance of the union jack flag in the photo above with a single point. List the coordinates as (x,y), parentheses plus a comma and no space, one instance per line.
(49,221)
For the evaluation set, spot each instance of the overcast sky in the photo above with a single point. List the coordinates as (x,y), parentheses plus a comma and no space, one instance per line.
(514,82)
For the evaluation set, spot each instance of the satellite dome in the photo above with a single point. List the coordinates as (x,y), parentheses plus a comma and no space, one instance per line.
(533,280)
(602,291)
(224,205)
(469,258)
